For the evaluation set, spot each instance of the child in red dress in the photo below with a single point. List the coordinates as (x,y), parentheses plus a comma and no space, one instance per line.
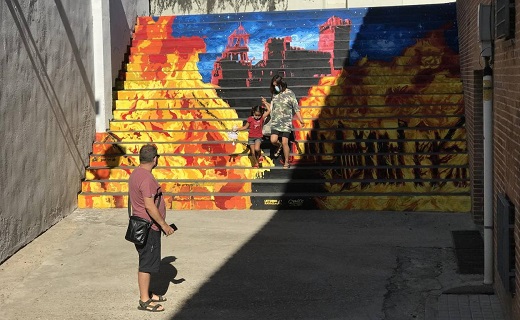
(255,123)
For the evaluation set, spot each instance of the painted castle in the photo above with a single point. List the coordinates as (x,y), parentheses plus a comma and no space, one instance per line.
(233,71)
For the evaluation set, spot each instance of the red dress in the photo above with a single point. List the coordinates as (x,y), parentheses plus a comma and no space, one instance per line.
(255,127)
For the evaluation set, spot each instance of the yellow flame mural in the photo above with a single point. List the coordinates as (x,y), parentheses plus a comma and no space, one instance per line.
(196,113)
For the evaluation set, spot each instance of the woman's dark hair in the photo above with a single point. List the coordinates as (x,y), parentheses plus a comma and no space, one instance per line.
(281,83)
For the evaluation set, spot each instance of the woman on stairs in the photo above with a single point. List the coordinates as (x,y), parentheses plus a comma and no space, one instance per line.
(284,107)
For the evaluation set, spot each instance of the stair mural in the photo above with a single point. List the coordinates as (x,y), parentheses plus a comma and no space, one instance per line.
(379,89)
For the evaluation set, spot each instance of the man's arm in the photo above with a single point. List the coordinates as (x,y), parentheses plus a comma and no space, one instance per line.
(156,216)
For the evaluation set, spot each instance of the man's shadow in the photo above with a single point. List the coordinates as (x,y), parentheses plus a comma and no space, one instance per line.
(160,281)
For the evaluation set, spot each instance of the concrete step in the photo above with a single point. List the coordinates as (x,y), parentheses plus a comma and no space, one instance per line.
(156,33)
(165,23)
(341,124)
(164,33)
(281,186)
(425,175)
(449,93)
(182,104)
(268,201)
(288,61)
(188,201)
(355,119)
(315,159)
(212,141)
(160,75)
(372,69)
(455,85)
(353,78)
(182,146)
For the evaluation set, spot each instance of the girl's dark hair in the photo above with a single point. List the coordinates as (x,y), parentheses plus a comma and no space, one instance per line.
(281,83)
(257,109)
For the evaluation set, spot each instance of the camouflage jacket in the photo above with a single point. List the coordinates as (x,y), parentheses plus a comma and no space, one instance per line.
(283,107)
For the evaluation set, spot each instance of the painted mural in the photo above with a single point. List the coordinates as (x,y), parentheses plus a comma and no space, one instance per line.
(379,90)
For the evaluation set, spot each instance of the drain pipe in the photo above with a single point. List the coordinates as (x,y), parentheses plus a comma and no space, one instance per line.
(488,170)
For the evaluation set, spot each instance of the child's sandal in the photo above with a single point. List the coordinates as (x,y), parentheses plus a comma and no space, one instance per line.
(277,153)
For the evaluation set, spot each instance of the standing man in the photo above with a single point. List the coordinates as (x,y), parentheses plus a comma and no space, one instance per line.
(147,202)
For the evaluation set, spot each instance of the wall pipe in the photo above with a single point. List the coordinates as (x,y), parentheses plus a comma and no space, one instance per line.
(487,87)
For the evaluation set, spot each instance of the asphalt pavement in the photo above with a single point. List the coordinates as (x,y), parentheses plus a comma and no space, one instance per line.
(250,265)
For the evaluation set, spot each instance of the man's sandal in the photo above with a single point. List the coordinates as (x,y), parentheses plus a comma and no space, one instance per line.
(145,306)
(159,298)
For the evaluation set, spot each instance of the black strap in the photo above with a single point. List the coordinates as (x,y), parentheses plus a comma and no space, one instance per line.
(129,206)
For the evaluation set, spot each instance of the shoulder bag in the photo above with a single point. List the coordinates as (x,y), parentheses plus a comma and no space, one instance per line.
(138,228)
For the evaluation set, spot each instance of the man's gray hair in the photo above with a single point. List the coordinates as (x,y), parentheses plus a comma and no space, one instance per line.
(147,153)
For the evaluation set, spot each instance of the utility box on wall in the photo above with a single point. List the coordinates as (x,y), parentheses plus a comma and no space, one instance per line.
(485,29)
(485,22)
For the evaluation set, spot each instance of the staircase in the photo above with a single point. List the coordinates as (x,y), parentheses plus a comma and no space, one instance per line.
(384,116)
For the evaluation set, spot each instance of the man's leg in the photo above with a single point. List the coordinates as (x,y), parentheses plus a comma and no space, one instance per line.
(149,261)
(143,280)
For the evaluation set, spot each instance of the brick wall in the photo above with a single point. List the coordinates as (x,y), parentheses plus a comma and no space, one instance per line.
(471,71)
(506,108)
(506,123)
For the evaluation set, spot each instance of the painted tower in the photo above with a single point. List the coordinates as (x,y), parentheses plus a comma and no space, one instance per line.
(234,72)
(234,62)
(335,39)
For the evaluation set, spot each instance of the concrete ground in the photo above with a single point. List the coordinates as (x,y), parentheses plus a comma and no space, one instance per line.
(246,265)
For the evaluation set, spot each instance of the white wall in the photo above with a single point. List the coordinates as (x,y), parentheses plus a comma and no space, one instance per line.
(113,24)
(389,3)
(47,111)
(123,16)
(164,7)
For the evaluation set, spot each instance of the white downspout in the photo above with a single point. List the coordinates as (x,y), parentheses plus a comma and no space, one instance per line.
(488,171)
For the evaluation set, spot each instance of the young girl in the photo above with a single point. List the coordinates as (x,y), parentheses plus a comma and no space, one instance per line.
(255,123)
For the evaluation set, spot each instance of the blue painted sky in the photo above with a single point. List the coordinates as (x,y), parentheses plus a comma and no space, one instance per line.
(382,33)
(215,30)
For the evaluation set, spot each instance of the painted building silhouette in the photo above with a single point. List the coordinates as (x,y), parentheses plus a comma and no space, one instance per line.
(242,83)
